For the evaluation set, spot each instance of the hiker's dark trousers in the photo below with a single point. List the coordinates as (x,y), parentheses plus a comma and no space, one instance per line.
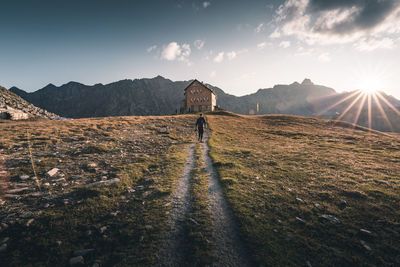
(200,131)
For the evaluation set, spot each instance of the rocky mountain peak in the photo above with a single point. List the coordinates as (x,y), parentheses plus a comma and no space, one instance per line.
(14,107)
(307,82)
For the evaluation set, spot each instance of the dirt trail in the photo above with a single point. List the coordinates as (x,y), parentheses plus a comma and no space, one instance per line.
(230,249)
(171,253)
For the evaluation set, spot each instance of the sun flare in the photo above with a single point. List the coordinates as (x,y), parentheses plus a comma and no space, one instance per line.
(369,85)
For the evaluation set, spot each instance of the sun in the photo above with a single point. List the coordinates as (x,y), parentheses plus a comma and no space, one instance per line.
(369,85)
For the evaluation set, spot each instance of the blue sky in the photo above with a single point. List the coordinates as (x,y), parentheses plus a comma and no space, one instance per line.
(240,46)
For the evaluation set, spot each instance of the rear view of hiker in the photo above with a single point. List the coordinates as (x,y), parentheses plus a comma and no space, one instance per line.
(200,124)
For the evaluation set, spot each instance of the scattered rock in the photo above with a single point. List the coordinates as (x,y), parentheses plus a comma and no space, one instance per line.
(4,240)
(96,263)
(163,131)
(365,245)
(76,177)
(92,166)
(18,190)
(342,204)
(106,182)
(330,218)
(308,263)
(103,229)
(23,177)
(149,180)
(300,220)
(365,233)
(82,252)
(29,222)
(146,193)
(59,242)
(277,209)
(115,213)
(317,205)
(76,260)
(299,200)
(11,196)
(52,172)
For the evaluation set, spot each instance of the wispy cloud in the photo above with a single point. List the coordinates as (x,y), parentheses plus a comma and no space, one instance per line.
(231,55)
(151,48)
(337,21)
(174,51)
(219,58)
(284,44)
(324,57)
(261,45)
(369,44)
(199,44)
(213,74)
(206,4)
(259,28)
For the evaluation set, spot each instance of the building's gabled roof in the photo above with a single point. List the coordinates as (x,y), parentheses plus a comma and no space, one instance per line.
(195,80)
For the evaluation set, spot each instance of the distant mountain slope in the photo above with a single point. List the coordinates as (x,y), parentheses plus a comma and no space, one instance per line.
(18,108)
(156,96)
(281,99)
(160,96)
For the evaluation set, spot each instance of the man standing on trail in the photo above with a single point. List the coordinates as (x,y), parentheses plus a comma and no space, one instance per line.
(200,123)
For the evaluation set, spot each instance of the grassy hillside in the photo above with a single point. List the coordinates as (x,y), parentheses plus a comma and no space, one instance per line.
(304,191)
(307,191)
(68,214)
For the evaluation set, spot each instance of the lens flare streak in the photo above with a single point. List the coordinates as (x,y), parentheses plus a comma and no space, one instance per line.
(368,100)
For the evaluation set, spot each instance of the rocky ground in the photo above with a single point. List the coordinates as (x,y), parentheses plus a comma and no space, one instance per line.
(52,168)
(18,108)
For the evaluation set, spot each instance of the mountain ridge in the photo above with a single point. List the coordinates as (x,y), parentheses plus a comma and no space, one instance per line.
(162,96)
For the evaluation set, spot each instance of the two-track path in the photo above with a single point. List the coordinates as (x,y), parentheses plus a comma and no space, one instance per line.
(225,235)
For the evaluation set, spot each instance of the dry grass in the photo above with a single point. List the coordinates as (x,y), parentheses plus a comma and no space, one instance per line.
(264,163)
(67,215)
(277,168)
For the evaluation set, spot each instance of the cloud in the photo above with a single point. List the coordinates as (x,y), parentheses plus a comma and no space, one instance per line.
(151,48)
(213,74)
(261,45)
(284,44)
(369,44)
(206,4)
(174,51)
(336,21)
(219,58)
(198,44)
(231,55)
(259,28)
(324,57)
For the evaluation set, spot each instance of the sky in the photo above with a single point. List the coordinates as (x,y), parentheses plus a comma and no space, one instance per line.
(239,46)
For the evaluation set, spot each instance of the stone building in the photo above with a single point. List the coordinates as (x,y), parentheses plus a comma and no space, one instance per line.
(199,97)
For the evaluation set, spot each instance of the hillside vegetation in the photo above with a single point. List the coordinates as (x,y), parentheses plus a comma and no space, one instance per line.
(309,191)
(303,191)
